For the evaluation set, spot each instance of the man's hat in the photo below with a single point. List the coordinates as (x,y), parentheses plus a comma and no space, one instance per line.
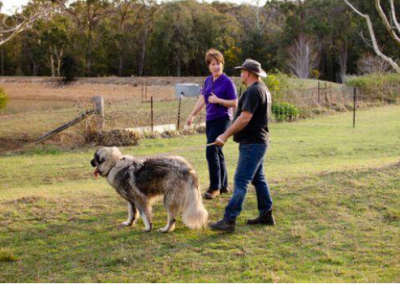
(253,66)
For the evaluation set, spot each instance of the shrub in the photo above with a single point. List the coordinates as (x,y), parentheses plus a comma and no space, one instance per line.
(277,83)
(3,98)
(284,111)
(374,81)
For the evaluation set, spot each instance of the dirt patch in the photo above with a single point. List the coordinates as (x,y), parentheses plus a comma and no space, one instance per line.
(83,92)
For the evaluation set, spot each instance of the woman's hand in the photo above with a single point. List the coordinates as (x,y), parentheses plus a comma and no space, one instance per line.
(190,120)
(213,99)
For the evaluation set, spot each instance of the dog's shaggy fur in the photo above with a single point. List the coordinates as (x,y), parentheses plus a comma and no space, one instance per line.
(140,182)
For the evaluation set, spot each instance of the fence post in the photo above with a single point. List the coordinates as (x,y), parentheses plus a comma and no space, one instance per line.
(142,91)
(319,88)
(99,109)
(354,105)
(179,112)
(146,90)
(152,115)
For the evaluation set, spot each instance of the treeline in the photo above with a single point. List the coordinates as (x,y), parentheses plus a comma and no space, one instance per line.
(309,38)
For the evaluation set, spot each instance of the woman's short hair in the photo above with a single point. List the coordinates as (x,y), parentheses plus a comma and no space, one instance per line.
(214,54)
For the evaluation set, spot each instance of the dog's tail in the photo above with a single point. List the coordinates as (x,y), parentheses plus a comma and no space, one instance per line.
(194,214)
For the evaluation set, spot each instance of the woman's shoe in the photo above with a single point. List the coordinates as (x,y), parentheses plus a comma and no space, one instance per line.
(211,193)
(224,190)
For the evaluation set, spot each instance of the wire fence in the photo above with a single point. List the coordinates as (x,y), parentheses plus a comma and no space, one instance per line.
(148,111)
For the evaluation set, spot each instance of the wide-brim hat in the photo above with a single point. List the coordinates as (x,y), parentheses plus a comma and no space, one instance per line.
(253,66)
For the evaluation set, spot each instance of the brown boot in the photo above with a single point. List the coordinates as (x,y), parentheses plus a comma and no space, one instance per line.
(211,193)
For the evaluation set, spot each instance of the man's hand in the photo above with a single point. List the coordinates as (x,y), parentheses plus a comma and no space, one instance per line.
(213,99)
(221,140)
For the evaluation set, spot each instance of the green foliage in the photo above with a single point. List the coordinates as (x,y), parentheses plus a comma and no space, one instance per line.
(372,81)
(278,83)
(139,38)
(3,98)
(284,111)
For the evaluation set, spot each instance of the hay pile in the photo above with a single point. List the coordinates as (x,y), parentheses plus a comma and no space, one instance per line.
(118,137)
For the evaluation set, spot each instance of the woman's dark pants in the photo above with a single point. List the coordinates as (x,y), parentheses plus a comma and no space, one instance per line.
(214,154)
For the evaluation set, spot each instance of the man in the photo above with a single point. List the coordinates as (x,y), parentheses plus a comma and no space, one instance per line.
(250,130)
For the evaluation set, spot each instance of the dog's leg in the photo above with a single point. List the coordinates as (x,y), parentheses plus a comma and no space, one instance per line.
(132,214)
(145,213)
(170,223)
(172,211)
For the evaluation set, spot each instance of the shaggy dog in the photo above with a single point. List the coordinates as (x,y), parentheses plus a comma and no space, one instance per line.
(140,182)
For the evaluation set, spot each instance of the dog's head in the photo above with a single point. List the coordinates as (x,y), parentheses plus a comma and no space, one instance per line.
(105,159)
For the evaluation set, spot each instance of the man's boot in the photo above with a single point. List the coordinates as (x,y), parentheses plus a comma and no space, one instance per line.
(211,193)
(224,225)
(264,219)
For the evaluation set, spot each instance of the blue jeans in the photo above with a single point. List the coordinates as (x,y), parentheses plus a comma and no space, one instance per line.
(215,156)
(250,169)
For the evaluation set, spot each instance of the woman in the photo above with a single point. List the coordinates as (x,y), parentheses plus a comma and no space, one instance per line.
(219,96)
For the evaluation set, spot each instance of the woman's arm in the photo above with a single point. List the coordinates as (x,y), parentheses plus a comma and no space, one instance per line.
(226,103)
(197,108)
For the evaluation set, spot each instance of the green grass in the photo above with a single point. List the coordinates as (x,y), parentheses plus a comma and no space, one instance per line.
(336,192)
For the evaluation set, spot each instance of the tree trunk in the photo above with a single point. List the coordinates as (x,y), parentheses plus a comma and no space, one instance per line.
(143,53)
(51,57)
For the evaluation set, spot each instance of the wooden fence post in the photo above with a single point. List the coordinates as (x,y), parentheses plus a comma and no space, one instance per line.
(99,110)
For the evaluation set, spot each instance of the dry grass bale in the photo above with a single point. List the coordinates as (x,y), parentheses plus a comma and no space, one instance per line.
(152,135)
(189,131)
(119,137)
(201,129)
(170,134)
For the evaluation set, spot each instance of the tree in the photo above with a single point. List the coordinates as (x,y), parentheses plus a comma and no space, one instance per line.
(393,28)
(55,38)
(11,26)
(88,14)
(303,56)
(369,63)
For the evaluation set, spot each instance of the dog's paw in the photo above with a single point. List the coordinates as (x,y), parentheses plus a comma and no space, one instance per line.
(167,229)
(163,230)
(127,223)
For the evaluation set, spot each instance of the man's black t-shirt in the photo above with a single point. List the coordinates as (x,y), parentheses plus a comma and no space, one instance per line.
(256,100)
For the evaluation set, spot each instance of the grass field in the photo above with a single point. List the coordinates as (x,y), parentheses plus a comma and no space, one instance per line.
(336,194)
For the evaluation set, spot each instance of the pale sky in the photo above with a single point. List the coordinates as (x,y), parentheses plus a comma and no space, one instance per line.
(10,5)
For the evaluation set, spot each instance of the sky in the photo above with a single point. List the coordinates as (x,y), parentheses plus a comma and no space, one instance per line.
(11,5)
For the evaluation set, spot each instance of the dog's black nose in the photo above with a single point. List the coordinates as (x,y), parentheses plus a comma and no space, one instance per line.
(93,163)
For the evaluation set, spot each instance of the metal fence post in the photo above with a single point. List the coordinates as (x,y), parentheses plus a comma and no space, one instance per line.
(152,115)
(179,113)
(354,105)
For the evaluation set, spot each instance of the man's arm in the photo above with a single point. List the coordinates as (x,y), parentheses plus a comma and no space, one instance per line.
(238,125)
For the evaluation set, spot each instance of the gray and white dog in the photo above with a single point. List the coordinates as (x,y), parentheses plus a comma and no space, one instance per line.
(140,181)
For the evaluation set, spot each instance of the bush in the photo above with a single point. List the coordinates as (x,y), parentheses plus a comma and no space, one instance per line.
(3,98)
(383,87)
(284,111)
(374,81)
(277,83)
